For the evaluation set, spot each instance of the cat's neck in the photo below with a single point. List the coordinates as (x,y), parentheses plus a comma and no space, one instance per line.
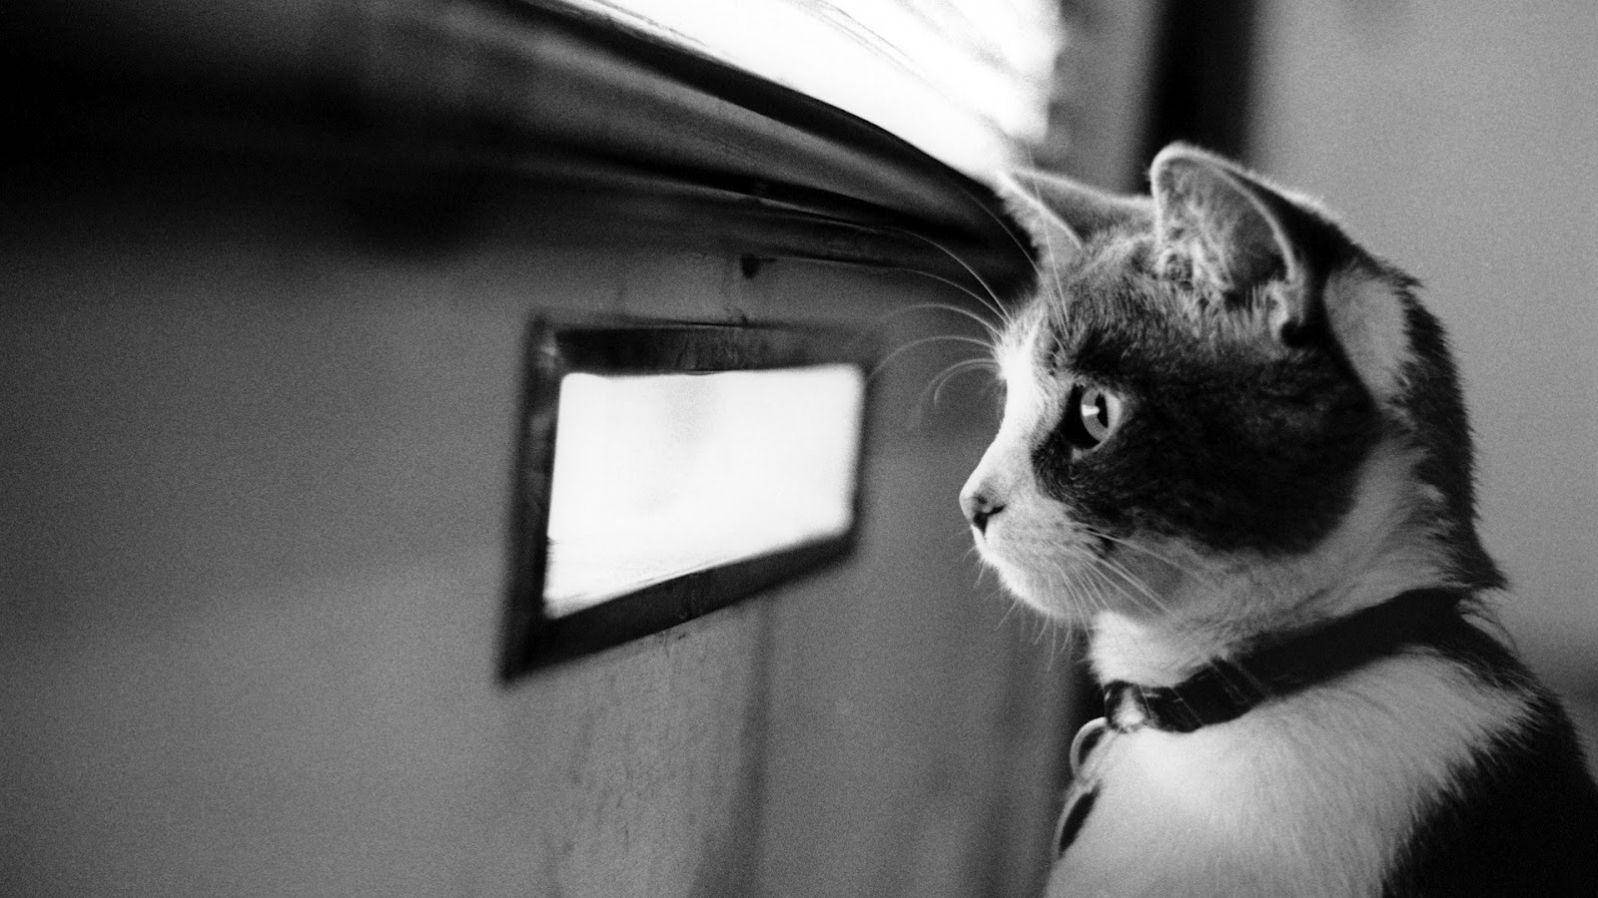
(1382,548)
(1165,651)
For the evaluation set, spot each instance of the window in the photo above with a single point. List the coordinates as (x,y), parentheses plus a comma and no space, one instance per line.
(967,81)
(670,469)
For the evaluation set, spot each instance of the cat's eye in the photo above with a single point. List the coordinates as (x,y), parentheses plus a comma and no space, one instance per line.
(1092,414)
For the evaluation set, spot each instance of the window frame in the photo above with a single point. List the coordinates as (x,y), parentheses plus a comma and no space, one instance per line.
(534,638)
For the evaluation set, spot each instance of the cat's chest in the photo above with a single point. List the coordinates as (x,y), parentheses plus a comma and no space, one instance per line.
(1308,797)
(1212,812)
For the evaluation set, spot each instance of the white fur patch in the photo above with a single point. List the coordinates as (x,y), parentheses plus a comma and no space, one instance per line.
(1024,399)
(1311,795)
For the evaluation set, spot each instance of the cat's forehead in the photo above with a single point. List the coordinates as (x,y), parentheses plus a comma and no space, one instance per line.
(1106,296)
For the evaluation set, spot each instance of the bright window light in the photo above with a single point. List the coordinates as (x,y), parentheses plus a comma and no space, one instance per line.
(968,81)
(661,475)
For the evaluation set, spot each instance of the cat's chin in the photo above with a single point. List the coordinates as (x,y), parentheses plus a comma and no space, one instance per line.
(1063,601)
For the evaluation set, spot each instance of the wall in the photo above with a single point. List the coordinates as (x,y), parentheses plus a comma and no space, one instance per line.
(256,467)
(1456,139)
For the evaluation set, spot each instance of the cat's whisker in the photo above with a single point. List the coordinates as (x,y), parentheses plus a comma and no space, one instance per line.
(934,388)
(987,326)
(1134,581)
(1082,600)
(954,368)
(1005,318)
(1142,596)
(1083,571)
(1105,585)
(1067,639)
(1043,625)
(1005,225)
(950,373)
(1098,588)
(994,302)
(1092,584)
(1060,642)
(922,341)
(1056,581)
(1010,607)
(1207,578)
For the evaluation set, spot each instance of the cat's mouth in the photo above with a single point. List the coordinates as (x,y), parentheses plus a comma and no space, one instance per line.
(1071,572)
(1055,577)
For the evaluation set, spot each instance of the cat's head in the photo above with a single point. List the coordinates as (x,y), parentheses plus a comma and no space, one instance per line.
(1218,405)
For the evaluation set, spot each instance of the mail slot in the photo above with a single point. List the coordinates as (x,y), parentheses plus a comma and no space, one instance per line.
(668,470)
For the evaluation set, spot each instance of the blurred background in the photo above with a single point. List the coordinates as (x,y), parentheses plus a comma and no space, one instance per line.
(270,271)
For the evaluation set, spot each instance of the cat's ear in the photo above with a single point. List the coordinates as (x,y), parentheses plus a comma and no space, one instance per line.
(1222,227)
(1062,214)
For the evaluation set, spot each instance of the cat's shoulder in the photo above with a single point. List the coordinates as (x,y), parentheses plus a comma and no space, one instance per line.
(1521,818)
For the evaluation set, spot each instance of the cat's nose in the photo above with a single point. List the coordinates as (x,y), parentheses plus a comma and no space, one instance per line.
(979,507)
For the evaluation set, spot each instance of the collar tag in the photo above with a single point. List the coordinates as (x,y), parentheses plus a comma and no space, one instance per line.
(1088,749)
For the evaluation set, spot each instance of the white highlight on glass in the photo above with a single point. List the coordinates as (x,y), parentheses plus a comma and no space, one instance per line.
(662,475)
(968,81)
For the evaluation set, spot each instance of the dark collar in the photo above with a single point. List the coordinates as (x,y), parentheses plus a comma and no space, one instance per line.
(1228,688)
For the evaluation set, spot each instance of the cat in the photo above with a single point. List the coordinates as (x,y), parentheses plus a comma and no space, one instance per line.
(1233,448)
